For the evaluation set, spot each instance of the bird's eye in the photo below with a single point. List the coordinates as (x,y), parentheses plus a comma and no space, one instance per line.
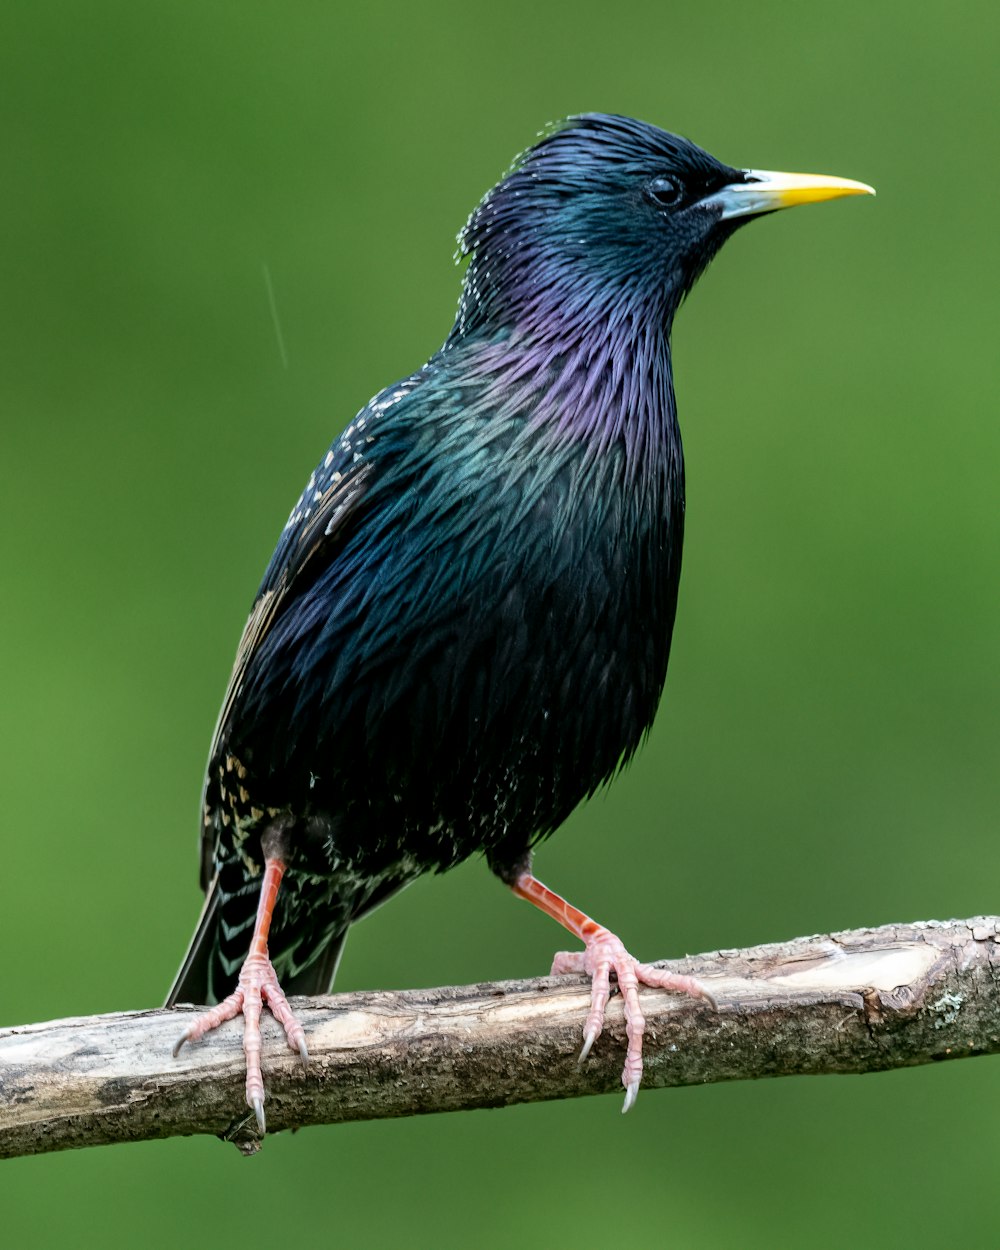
(665,192)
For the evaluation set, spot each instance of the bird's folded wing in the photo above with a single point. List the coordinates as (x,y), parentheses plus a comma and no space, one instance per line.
(314,531)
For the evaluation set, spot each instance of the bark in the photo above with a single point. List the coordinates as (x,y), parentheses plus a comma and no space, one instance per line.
(860,1001)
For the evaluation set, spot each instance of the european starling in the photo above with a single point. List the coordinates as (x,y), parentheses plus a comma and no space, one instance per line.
(464,628)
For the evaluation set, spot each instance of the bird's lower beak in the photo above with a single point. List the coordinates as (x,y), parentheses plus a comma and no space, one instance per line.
(765,191)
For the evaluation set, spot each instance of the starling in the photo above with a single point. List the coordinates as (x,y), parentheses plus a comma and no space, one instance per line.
(464,629)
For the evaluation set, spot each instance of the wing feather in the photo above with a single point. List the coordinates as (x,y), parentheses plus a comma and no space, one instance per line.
(310,539)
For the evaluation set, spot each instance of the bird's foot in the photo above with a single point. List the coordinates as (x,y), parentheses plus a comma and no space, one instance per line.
(605,954)
(257,983)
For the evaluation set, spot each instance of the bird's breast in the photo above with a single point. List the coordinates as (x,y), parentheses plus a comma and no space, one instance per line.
(530,644)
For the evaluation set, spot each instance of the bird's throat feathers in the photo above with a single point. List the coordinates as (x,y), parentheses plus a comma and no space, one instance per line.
(593,381)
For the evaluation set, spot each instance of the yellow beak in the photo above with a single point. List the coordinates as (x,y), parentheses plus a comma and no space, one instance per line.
(765,191)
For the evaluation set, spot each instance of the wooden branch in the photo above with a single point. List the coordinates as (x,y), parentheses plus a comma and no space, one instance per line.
(851,1002)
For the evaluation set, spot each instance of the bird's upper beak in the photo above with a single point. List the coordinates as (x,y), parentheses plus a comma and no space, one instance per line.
(764,191)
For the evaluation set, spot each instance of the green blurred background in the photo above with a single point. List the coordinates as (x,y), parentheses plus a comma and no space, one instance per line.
(826,753)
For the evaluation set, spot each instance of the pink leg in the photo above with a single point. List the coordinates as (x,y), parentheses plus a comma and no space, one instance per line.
(257,984)
(604,954)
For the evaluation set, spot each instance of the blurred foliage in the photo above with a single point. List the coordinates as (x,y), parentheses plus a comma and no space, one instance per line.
(826,753)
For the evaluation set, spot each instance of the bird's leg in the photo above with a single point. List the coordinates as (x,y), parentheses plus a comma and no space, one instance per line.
(257,983)
(604,954)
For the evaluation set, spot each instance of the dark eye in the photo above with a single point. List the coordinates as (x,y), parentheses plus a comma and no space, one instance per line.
(665,192)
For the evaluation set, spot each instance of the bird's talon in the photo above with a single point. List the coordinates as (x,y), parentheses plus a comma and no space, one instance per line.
(257,984)
(603,956)
(631,1094)
(590,1037)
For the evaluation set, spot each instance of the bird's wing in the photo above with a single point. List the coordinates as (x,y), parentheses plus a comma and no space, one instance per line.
(311,536)
(306,543)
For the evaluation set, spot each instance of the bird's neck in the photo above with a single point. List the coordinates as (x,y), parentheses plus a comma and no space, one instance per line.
(585,372)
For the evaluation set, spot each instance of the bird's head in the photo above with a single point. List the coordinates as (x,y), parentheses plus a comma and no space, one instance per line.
(606,211)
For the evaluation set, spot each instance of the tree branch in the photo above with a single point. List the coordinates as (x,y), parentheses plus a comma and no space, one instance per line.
(860,1001)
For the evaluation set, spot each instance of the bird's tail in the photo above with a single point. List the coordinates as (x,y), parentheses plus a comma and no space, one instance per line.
(192,980)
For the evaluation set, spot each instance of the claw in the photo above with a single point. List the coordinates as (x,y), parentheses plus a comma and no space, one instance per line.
(631,1094)
(258,1110)
(303,1050)
(179,1043)
(589,1038)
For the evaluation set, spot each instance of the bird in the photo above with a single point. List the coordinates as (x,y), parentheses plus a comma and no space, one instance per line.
(463,631)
